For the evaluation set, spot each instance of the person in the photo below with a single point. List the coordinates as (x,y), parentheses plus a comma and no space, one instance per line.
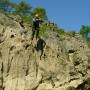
(36,26)
(40,46)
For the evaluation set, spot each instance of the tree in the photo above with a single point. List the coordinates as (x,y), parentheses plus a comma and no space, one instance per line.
(23,8)
(85,31)
(7,6)
(41,12)
(4,5)
(12,7)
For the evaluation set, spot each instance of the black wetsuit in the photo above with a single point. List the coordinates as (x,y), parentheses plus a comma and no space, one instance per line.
(36,22)
(40,46)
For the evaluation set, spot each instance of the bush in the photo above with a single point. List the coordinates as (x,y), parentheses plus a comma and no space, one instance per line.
(61,31)
(7,6)
(23,8)
(71,34)
(85,32)
(43,30)
(27,19)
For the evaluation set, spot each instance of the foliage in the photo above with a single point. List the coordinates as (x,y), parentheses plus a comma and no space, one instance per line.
(27,19)
(88,39)
(55,27)
(85,31)
(6,6)
(23,8)
(41,12)
(43,30)
(61,31)
(71,33)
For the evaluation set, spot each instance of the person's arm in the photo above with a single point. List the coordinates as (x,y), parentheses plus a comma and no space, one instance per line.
(40,20)
(44,43)
(33,19)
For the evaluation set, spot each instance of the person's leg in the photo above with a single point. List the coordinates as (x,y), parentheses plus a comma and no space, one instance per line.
(37,34)
(41,54)
(33,33)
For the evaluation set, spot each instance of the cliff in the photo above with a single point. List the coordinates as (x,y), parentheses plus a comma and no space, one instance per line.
(63,64)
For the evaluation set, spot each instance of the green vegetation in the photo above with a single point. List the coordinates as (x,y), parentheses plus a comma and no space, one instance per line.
(71,33)
(61,31)
(85,32)
(23,8)
(43,30)
(6,6)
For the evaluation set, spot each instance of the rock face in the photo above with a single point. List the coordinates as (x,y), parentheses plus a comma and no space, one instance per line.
(62,64)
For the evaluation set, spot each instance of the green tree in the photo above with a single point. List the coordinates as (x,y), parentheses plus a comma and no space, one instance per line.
(3,5)
(85,31)
(41,12)
(7,6)
(23,8)
(12,7)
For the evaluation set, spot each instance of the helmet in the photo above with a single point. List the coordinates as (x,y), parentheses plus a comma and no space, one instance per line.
(36,15)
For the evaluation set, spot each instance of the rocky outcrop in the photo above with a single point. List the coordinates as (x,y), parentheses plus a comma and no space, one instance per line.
(62,64)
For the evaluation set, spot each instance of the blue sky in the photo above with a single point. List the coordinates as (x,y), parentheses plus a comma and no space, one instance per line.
(68,14)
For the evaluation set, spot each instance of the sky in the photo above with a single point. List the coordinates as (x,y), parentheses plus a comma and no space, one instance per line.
(67,14)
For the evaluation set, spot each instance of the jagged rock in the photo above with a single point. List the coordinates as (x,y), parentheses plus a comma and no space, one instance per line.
(63,64)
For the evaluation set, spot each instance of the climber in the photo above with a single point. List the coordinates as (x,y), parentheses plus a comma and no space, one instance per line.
(36,28)
(40,46)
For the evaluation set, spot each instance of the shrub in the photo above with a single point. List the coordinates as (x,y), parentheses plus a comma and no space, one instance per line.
(71,33)
(43,30)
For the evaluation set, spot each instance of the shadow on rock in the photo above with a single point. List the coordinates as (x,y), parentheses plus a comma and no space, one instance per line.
(85,85)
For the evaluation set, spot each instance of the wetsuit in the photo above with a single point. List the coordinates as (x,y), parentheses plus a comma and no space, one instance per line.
(36,28)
